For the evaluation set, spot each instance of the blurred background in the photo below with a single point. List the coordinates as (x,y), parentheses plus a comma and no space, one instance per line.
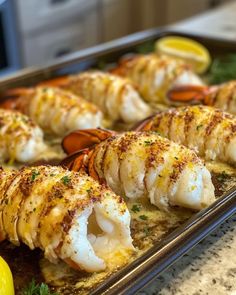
(33,32)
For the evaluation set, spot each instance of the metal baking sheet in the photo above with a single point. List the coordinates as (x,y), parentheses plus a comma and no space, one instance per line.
(167,247)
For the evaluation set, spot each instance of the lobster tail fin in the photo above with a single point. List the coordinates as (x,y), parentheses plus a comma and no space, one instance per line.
(9,99)
(81,139)
(144,125)
(81,161)
(55,82)
(75,161)
(187,94)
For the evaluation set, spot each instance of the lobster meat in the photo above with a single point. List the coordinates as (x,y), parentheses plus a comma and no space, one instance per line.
(210,132)
(66,214)
(55,110)
(155,75)
(117,97)
(20,138)
(141,164)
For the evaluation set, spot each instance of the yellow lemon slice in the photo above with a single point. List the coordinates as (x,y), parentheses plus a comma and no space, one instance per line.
(6,280)
(187,49)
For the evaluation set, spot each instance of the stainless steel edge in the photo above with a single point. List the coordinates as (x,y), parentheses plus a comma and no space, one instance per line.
(134,277)
(50,69)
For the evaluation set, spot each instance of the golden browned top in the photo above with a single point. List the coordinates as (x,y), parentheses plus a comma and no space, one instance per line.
(148,147)
(222,96)
(43,200)
(54,98)
(205,129)
(153,74)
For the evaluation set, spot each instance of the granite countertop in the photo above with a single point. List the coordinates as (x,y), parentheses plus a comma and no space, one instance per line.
(210,267)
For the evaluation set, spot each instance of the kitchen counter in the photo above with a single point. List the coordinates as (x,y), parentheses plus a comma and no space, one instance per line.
(210,267)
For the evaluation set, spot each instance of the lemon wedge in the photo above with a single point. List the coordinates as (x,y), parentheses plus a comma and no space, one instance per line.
(6,280)
(187,49)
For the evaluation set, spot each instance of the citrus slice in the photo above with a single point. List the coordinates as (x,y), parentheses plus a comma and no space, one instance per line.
(187,49)
(6,280)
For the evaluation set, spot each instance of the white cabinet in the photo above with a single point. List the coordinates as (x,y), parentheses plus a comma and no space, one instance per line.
(38,15)
(52,28)
(46,46)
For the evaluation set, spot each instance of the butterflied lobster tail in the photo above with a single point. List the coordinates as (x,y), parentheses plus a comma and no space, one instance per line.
(66,214)
(139,164)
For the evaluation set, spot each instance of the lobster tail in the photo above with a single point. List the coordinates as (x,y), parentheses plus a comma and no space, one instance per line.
(187,94)
(82,139)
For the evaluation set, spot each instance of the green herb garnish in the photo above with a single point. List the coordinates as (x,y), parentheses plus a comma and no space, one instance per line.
(222,176)
(145,48)
(146,230)
(143,217)
(147,142)
(223,69)
(65,180)
(136,208)
(199,126)
(34,175)
(37,289)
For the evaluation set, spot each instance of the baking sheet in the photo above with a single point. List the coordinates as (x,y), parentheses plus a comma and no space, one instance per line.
(163,236)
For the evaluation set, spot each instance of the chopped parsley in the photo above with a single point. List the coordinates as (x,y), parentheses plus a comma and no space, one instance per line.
(143,217)
(136,208)
(34,175)
(176,158)
(65,180)
(147,142)
(157,132)
(37,289)
(146,230)
(222,176)
(199,126)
